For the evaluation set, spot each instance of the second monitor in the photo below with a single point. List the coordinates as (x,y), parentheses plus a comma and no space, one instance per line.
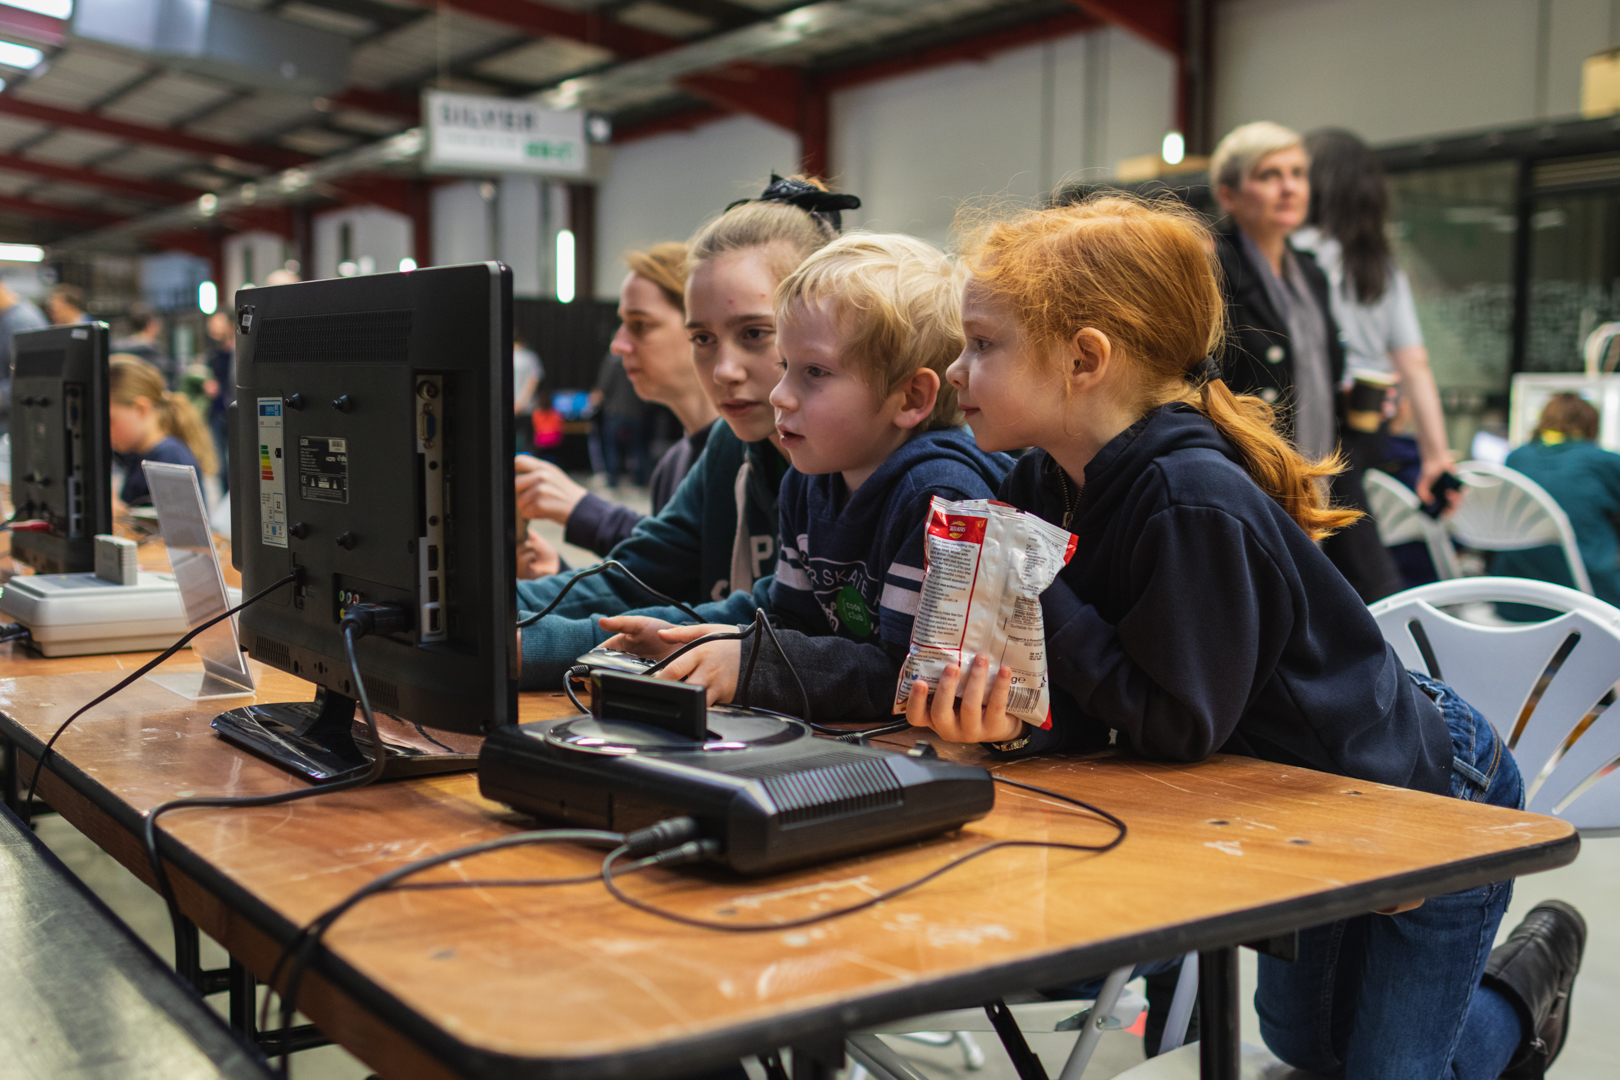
(60,456)
(372,456)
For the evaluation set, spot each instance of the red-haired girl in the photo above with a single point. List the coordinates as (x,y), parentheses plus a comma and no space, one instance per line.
(1199,615)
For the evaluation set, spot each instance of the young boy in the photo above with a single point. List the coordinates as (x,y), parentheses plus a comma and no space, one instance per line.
(866,328)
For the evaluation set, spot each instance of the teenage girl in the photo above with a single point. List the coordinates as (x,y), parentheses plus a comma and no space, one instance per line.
(716,537)
(149,423)
(1198,615)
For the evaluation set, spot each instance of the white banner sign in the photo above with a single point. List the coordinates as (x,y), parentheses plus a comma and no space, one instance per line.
(471,133)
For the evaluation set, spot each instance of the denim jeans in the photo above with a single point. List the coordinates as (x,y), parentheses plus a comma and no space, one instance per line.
(1397,997)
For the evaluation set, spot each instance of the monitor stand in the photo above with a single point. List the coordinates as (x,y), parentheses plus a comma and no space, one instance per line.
(324,742)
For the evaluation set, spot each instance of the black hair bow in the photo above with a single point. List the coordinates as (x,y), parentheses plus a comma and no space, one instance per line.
(821,205)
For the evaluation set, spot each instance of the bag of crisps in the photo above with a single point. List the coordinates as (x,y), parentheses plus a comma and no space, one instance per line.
(985,566)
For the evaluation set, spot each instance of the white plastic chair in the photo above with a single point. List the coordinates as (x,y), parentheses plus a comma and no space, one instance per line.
(1546,687)
(1504,510)
(1115,1008)
(1401,520)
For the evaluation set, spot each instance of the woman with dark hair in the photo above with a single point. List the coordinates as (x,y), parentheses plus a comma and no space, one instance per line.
(1370,295)
(1563,457)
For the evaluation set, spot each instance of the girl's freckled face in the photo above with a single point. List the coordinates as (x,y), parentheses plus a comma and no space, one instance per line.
(1007,398)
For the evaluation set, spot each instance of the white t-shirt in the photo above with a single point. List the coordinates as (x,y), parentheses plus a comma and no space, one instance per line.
(525,366)
(1368,331)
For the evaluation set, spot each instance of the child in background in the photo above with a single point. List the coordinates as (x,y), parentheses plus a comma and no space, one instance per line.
(717,536)
(865,327)
(148,422)
(1584,479)
(1198,615)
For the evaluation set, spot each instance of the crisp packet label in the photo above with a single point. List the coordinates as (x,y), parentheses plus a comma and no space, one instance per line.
(985,566)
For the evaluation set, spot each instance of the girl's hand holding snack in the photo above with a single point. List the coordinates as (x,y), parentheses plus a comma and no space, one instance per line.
(965,719)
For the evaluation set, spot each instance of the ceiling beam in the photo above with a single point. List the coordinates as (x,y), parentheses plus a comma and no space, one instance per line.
(269,156)
(157,190)
(78,215)
(1158,21)
(381,102)
(32,26)
(686,119)
(543,20)
(980,47)
(771,93)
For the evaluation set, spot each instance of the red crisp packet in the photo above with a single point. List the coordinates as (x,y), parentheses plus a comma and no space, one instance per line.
(985,566)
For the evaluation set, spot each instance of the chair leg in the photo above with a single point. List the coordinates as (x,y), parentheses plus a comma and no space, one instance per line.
(930,1038)
(972,1053)
(872,1055)
(1096,1021)
(1181,1005)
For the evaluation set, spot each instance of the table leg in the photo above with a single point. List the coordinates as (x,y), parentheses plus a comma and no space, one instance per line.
(1220,1030)
(244,1000)
(8,776)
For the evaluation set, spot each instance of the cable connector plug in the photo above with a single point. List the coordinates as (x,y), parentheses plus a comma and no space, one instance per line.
(691,851)
(665,834)
(371,619)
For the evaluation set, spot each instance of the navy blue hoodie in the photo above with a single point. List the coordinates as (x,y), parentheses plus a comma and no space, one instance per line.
(849,572)
(1196,616)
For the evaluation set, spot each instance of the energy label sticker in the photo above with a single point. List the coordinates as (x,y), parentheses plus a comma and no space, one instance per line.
(272,475)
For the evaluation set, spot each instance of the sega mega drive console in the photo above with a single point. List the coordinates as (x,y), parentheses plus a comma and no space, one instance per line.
(80,614)
(762,784)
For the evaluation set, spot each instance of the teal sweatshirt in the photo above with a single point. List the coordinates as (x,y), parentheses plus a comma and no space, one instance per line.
(1584,480)
(693,550)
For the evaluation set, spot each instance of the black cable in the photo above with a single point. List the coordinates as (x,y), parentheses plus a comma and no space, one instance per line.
(575,672)
(374,771)
(602,567)
(136,674)
(618,894)
(302,949)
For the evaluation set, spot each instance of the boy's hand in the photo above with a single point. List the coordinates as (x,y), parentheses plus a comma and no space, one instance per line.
(544,491)
(972,722)
(713,666)
(636,634)
(536,558)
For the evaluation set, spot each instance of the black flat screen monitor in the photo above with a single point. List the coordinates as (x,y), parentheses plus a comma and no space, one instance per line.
(60,459)
(372,450)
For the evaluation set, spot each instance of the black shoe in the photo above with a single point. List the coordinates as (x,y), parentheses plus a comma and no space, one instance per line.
(1535,969)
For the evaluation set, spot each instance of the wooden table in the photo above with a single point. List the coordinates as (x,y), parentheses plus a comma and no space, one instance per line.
(563,982)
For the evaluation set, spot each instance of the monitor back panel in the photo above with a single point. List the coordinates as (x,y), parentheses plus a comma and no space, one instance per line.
(373,449)
(60,458)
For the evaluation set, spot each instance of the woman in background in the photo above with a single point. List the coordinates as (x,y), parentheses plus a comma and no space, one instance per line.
(1563,457)
(149,422)
(652,340)
(1371,296)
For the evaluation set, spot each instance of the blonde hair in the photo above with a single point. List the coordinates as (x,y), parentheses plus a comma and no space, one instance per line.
(1244,147)
(1141,274)
(130,378)
(788,233)
(900,301)
(665,266)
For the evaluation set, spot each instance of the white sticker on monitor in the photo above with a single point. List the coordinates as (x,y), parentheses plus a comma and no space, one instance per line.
(272,475)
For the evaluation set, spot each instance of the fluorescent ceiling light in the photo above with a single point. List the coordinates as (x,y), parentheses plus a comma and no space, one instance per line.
(19,56)
(21,253)
(1175,148)
(207,297)
(56,9)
